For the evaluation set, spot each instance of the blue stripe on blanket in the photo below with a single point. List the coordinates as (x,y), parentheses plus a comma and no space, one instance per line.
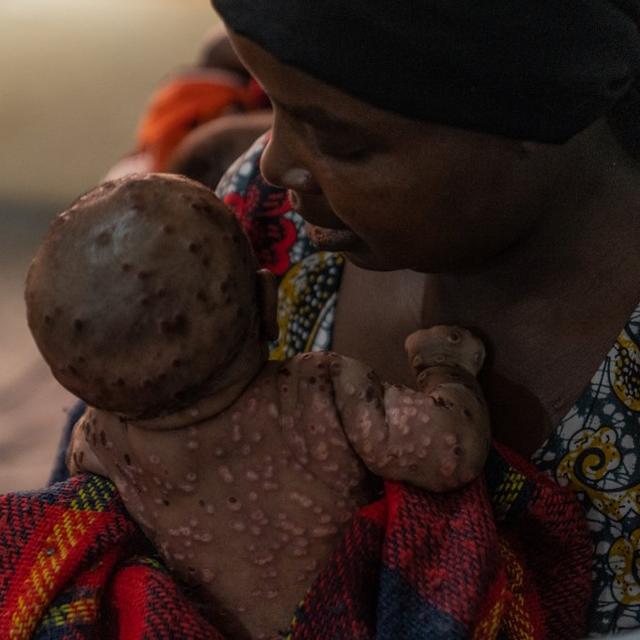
(402,613)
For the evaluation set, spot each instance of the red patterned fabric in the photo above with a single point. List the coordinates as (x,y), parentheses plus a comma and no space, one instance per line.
(260,211)
(507,556)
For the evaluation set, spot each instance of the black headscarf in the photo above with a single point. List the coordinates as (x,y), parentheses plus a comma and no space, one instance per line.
(530,69)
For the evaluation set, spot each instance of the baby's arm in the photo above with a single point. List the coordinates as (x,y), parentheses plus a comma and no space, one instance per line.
(436,438)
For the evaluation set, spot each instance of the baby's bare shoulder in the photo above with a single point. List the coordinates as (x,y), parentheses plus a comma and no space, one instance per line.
(311,422)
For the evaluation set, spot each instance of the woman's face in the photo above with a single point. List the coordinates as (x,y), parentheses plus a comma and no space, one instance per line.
(390,192)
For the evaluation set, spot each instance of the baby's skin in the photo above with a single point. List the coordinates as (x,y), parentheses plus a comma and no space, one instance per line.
(246,483)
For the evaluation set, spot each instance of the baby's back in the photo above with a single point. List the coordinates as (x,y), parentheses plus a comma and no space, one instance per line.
(249,502)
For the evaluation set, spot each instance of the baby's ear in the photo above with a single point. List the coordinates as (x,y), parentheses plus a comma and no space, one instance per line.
(268,301)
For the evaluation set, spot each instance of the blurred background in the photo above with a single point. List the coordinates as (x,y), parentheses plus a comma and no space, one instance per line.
(75,76)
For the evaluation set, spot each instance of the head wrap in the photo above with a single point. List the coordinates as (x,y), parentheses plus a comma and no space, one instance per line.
(530,69)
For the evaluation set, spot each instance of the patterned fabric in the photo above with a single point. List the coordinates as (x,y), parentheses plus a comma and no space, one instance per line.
(413,565)
(70,570)
(468,564)
(595,452)
(308,279)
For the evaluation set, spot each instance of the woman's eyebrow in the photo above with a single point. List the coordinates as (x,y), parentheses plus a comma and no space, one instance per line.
(322,119)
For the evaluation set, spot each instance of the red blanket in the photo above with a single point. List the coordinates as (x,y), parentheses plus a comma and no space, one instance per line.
(507,556)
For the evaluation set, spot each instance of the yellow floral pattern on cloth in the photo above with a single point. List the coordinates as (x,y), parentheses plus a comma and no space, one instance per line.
(595,451)
(623,561)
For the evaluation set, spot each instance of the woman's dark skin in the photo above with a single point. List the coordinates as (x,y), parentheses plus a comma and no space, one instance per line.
(534,247)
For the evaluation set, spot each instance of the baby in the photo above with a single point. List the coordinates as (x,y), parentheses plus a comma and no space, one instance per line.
(146,301)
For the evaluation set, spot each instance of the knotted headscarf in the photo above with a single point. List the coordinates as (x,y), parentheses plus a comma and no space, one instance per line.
(539,70)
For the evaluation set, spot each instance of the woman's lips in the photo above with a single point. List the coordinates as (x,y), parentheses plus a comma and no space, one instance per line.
(332,239)
(337,238)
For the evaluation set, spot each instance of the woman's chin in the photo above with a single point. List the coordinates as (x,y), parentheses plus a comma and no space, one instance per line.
(364,258)
(360,254)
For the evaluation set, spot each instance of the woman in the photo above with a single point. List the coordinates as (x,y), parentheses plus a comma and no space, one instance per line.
(475,165)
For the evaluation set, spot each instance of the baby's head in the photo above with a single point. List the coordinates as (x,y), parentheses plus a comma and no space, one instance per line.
(143,295)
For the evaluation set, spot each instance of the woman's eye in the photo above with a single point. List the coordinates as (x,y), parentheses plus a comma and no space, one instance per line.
(341,152)
(341,149)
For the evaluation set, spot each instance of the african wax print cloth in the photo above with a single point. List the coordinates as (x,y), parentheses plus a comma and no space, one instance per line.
(594,450)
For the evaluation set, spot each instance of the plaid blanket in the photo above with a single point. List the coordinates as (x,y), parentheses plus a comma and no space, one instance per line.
(508,556)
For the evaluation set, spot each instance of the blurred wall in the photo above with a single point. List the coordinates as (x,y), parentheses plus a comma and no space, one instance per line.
(74,78)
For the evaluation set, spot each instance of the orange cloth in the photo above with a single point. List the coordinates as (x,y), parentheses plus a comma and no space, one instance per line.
(188,101)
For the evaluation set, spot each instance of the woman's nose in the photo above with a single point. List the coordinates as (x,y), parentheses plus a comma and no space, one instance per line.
(282,167)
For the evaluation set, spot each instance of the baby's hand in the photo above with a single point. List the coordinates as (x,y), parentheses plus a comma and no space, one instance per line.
(436,438)
(444,346)
(445,360)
